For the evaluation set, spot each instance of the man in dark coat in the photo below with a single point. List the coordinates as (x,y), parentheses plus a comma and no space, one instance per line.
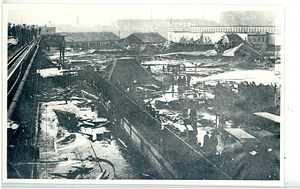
(14,31)
(206,139)
(9,29)
(213,140)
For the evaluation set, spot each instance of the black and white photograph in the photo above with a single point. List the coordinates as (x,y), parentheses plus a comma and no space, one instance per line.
(142,92)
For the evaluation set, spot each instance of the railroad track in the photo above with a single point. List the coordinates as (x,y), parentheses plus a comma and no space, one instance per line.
(15,57)
(17,68)
(18,58)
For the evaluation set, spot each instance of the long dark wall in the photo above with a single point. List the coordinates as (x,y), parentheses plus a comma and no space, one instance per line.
(184,159)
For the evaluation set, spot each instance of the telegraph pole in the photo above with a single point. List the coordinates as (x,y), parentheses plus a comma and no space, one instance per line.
(77,19)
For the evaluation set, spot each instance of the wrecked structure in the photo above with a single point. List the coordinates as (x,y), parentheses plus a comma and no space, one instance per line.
(157,117)
(151,137)
(167,103)
(143,42)
(261,38)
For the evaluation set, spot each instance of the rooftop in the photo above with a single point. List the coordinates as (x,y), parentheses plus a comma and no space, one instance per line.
(90,37)
(269,116)
(147,37)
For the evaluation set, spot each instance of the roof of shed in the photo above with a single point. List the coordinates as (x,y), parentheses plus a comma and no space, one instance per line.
(269,116)
(148,37)
(127,69)
(91,37)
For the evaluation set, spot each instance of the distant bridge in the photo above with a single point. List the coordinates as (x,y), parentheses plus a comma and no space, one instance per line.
(237,29)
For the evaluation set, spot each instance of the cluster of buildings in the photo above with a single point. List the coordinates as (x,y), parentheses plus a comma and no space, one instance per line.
(259,29)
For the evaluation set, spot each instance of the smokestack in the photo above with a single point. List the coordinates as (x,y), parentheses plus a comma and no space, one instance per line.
(151,15)
(77,19)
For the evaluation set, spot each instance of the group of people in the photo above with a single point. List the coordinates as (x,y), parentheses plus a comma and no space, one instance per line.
(182,82)
(24,33)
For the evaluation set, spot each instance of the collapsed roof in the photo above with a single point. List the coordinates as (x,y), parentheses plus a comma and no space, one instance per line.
(127,70)
(235,45)
(242,49)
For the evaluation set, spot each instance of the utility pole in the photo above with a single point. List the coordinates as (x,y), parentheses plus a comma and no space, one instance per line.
(151,15)
(77,19)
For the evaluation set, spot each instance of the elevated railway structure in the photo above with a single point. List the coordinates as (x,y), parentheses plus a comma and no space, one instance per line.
(22,103)
(18,67)
(20,143)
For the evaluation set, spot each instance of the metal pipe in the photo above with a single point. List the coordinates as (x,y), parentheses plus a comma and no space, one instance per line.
(14,102)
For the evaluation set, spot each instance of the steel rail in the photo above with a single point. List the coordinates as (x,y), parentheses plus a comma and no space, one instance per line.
(17,95)
(16,81)
(13,59)
(20,65)
(11,70)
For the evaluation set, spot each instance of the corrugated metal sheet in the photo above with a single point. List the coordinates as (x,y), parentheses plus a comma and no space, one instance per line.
(230,52)
(243,48)
(91,37)
(240,134)
(269,116)
(234,38)
(259,133)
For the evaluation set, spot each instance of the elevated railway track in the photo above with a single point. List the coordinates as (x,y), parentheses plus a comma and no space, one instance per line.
(21,110)
(18,67)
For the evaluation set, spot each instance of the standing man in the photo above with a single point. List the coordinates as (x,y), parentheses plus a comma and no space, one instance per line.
(188,80)
(213,143)
(193,118)
(14,31)
(206,140)
(24,35)
(9,29)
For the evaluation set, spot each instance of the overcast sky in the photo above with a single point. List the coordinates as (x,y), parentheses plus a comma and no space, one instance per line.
(91,15)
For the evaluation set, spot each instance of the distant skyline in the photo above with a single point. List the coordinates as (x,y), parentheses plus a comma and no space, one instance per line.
(97,14)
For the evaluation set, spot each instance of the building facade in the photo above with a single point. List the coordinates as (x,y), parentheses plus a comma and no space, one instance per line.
(45,30)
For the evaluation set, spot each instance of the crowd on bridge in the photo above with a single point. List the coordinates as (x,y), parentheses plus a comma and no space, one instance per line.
(24,33)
